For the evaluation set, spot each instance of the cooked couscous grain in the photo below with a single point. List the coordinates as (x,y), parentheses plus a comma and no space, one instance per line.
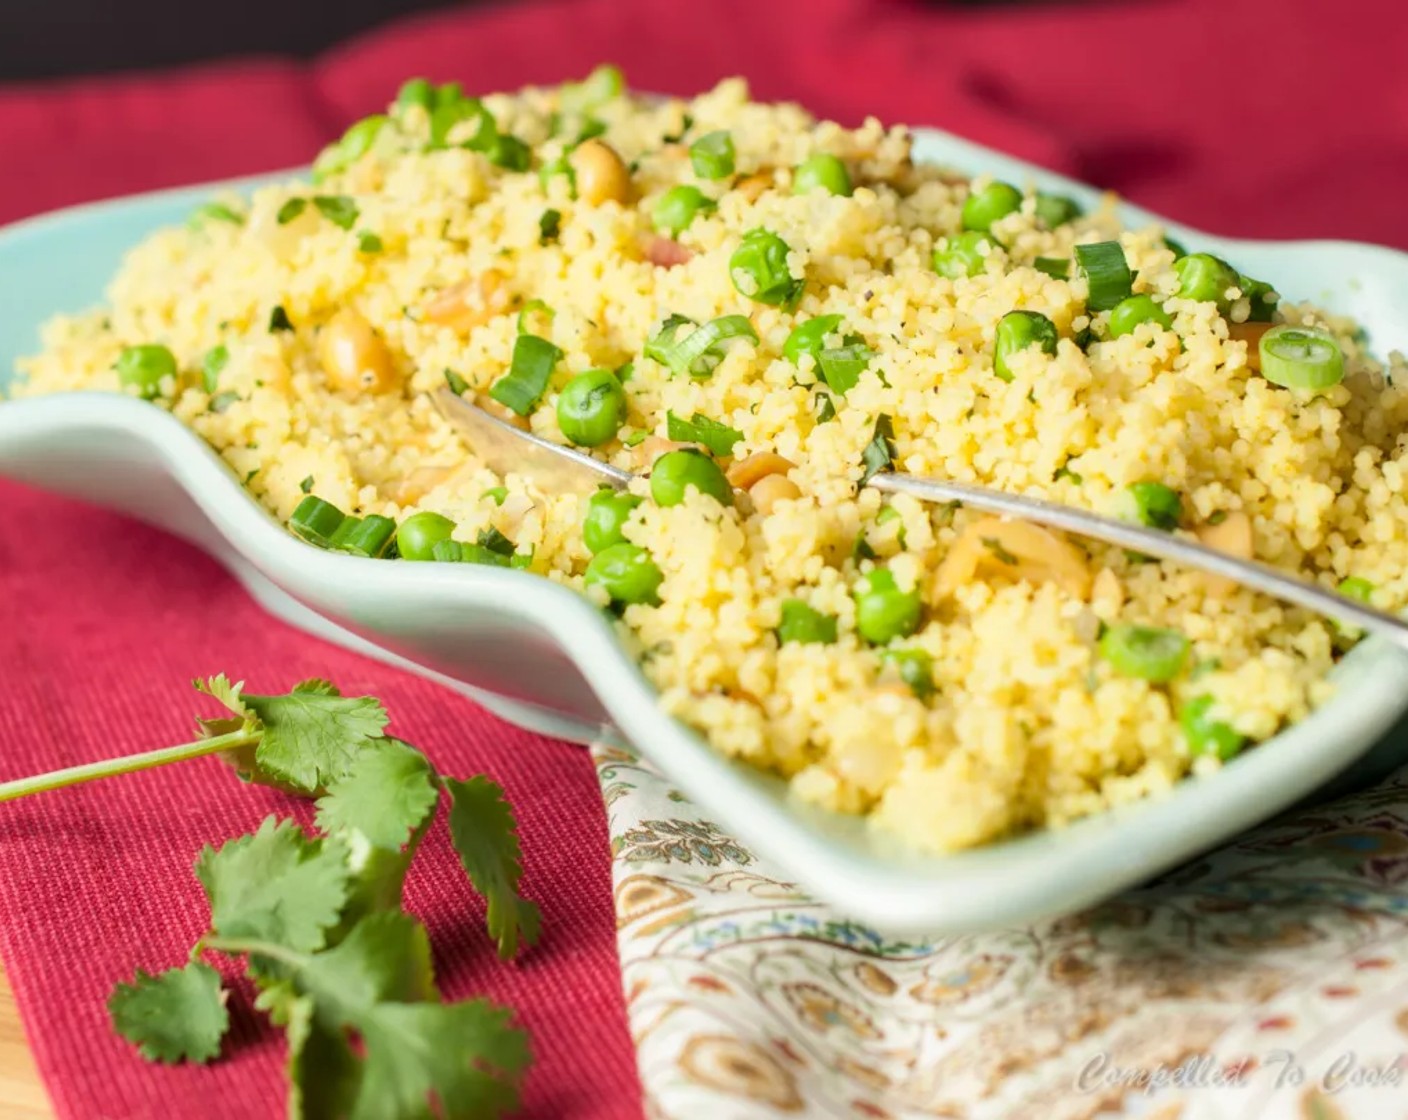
(936,669)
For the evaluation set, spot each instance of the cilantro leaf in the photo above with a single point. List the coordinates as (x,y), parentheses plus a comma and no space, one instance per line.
(484,833)
(384,796)
(276,885)
(173,1015)
(384,957)
(879,453)
(719,438)
(408,1061)
(228,694)
(378,983)
(312,734)
(495,541)
(377,875)
(324,1074)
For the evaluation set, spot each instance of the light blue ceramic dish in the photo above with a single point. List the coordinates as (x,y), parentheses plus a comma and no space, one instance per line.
(540,656)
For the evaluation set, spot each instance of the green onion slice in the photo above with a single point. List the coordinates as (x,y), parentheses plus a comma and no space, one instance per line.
(458,385)
(214,212)
(494,541)
(290,210)
(702,348)
(1107,272)
(509,152)
(559,166)
(416,91)
(533,306)
(356,142)
(461,552)
(1301,358)
(1056,267)
(340,210)
(605,83)
(717,437)
(369,536)
(316,521)
(1146,652)
(451,111)
(527,379)
(549,226)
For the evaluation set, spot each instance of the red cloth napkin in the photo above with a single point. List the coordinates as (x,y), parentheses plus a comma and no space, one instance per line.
(1256,118)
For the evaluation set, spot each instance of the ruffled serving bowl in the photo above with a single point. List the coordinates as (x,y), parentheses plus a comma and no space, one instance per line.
(538,655)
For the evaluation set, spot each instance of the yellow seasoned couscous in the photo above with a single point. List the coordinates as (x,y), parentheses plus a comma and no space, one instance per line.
(752,308)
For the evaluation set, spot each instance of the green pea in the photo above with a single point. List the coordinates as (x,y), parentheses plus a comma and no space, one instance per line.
(759,270)
(1133,310)
(963,254)
(1360,589)
(144,368)
(915,667)
(1356,587)
(810,337)
(1054,210)
(883,611)
(626,572)
(420,533)
(804,624)
(678,207)
(712,155)
(354,144)
(1146,652)
(1016,331)
(1205,735)
(676,471)
(824,171)
(591,408)
(1204,277)
(607,513)
(1155,505)
(995,201)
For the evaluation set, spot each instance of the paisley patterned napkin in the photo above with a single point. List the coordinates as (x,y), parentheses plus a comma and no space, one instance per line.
(1266,981)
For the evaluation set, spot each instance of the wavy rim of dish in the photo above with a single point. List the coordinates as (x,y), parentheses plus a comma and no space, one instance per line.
(1015,879)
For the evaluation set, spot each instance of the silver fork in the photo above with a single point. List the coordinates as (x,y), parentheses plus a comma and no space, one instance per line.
(505,448)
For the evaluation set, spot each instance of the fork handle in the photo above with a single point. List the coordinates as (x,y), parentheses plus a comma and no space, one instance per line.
(1154,542)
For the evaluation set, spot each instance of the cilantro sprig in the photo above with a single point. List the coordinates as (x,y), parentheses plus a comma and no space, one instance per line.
(315,916)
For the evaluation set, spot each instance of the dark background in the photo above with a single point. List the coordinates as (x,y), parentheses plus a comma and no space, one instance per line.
(49,38)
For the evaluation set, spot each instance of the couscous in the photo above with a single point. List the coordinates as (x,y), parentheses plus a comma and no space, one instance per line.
(754,310)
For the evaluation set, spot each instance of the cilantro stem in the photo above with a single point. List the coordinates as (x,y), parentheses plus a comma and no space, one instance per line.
(129,764)
(235,946)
